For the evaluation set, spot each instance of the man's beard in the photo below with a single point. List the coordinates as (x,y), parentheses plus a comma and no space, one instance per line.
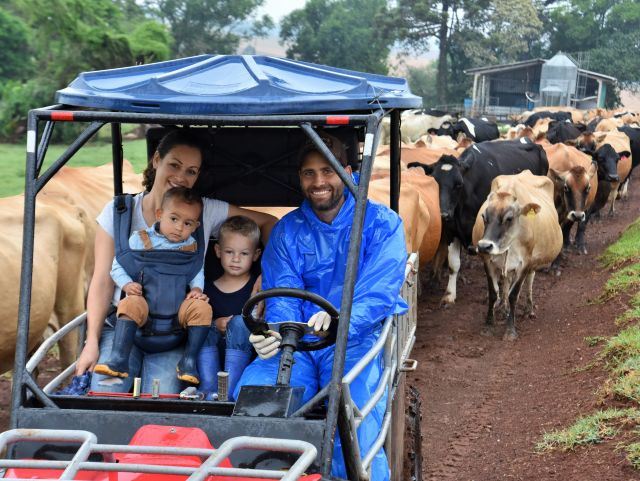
(329,204)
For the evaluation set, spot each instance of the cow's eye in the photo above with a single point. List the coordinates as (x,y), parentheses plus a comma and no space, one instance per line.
(507,219)
(485,217)
(566,188)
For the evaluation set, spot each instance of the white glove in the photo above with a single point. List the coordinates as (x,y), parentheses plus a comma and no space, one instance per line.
(266,346)
(319,321)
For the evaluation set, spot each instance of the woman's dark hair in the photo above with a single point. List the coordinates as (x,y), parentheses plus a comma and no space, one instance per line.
(174,138)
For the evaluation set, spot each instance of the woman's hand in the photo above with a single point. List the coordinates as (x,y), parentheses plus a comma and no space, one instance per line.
(88,358)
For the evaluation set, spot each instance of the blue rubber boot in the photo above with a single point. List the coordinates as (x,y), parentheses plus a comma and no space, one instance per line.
(208,367)
(235,361)
(187,367)
(118,363)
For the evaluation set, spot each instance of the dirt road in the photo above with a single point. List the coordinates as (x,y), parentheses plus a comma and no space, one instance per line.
(486,402)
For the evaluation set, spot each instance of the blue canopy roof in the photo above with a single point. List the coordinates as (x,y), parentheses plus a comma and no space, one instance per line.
(237,85)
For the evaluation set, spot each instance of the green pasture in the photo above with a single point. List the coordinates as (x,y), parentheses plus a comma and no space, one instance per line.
(619,418)
(12,160)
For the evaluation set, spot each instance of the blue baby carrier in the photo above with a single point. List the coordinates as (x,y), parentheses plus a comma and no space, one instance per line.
(164,275)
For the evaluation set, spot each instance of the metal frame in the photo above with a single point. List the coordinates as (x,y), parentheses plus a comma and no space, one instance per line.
(340,408)
(211,458)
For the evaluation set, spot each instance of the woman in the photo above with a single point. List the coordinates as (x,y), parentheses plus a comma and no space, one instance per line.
(176,162)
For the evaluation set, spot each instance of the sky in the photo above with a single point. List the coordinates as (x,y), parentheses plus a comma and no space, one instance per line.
(279,8)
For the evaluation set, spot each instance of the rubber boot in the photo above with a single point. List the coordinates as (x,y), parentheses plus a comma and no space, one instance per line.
(235,361)
(187,368)
(208,367)
(118,363)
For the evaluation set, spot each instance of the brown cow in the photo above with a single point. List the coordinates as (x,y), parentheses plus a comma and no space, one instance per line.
(63,239)
(63,252)
(575,185)
(516,232)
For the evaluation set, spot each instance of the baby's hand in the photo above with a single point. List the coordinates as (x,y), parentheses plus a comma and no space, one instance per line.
(196,293)
(132,289)
(221,323)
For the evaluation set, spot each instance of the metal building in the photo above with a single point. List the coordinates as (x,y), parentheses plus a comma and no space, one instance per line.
(563,80)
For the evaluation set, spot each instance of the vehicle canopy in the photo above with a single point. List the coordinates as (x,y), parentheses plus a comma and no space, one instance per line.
(255,112)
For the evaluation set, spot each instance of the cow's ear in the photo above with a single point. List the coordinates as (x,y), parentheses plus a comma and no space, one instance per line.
(571,142)
(530,210)
(599,136)
(557,177)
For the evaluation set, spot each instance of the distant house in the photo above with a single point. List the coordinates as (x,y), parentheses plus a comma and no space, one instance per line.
(560,81)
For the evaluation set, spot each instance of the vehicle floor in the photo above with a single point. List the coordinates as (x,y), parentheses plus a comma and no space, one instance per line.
(487,402)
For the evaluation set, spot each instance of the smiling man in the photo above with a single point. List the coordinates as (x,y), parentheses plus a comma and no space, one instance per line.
(308,250)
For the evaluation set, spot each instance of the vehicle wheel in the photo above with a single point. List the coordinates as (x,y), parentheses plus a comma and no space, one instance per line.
(413,436)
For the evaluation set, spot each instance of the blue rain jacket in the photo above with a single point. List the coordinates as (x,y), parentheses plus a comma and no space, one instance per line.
(306,253)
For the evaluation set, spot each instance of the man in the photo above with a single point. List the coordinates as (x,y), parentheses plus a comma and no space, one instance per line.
(308,250)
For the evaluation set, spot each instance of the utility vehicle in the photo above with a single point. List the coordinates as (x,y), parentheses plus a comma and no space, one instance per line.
(256,112)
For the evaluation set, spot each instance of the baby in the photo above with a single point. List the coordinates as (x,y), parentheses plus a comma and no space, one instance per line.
(158,293)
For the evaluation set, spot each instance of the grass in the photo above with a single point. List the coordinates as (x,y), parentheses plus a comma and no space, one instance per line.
(12,160)
(620,356)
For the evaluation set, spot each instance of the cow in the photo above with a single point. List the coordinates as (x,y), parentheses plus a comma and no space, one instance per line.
(545,114)
(622,146)
(575,181)
(414,124)
(478,130)
(516,232)
(634,141)
(464,184)
(63,252)
(563,131)
(63,238)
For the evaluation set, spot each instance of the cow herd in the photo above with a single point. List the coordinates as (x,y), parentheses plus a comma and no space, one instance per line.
(513,199)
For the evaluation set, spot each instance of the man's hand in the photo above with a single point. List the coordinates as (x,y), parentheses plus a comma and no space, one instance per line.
(221,323)
(320,321)
(196,293)
(132,289)
(266,346)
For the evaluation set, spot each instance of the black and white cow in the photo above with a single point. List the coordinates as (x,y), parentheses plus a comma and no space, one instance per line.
(478,130)
(545,114)
(464,184)
(560,132)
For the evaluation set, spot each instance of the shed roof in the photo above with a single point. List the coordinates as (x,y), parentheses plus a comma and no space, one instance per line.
(236,85)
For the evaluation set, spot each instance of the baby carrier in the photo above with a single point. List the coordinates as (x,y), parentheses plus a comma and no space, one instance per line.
(164,275)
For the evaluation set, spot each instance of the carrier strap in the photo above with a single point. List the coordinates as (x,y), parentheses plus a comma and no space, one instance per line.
(145,239)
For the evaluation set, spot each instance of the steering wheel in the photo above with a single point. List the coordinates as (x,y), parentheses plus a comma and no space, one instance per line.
(260,326)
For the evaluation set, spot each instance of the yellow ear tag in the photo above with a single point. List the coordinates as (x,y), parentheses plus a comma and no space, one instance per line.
(531,214)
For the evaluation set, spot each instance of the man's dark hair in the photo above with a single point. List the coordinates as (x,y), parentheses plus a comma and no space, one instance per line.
(182,194)
(172,139)
(335,145)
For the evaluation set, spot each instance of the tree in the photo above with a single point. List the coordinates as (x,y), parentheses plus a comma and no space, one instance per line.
(422,81)
(341,33)
(15,58)
(208,26)
(605,31)
(150,42)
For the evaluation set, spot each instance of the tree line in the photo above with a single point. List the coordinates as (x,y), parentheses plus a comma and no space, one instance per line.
(46,43)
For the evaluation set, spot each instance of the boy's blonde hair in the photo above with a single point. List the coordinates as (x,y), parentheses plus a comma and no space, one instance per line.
(240,225)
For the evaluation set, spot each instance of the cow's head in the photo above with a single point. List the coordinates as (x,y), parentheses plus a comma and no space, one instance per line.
(447,129)
(585,143)
(501,219)
(447,172)
(607,159)
(574,186)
